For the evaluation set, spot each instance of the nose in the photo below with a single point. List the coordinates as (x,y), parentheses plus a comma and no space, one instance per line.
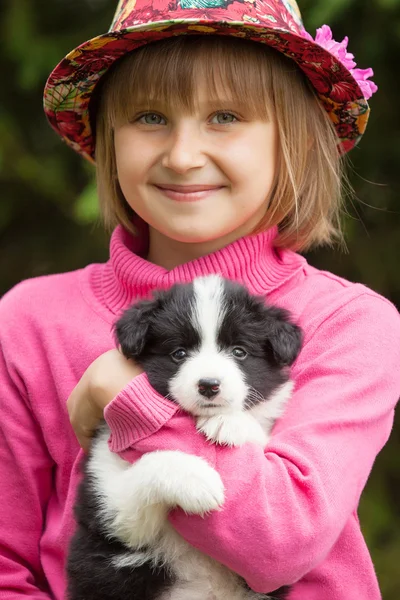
(209,387)
(184,149)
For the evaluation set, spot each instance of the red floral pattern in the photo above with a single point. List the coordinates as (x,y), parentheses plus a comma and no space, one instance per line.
(278,13)
(136,22)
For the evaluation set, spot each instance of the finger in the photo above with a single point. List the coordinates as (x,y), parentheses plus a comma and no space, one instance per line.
(81,417)
(84,441)
(84,437)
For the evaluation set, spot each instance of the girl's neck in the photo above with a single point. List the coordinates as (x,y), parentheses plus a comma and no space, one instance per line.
(252,260)
(167,253)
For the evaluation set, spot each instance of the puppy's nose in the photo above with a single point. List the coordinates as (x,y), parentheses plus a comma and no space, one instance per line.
(209,387)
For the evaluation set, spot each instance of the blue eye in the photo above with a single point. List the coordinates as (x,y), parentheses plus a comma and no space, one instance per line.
(152,121)
(179,355)
(225,114)
(239,353)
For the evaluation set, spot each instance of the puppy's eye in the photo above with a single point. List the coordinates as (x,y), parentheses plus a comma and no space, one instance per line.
(239,353)
(179,355)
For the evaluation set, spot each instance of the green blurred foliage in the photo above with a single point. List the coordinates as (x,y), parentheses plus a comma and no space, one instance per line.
(49,216)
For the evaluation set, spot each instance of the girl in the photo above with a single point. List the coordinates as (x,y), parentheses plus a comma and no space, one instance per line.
(217,129)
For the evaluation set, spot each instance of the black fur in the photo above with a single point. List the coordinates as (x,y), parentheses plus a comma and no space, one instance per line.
(266,332)
(149,332)
(89,572)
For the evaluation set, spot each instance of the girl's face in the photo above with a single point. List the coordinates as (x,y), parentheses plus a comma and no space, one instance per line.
(218,146)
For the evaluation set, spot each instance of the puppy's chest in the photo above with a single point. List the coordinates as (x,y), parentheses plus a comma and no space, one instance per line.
(199,577)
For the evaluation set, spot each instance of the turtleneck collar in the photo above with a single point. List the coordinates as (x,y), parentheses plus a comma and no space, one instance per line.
(252,260)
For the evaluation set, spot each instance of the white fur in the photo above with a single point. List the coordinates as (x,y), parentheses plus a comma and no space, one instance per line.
(254,425)
(233,429)
(209,361)
(135,499)
(209,307)
(266,413)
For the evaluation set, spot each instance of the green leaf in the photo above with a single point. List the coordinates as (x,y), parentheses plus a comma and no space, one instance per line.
(86,208)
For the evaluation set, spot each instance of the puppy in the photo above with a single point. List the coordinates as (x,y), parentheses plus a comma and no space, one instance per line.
(223,356)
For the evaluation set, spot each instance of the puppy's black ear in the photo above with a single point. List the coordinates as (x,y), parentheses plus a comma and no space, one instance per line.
(131,330)
(284,338)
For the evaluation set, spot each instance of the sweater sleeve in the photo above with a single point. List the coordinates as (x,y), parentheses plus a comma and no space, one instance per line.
(26,476)
(286,506)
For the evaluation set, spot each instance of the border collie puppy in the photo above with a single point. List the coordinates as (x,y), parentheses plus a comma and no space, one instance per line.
(223,356)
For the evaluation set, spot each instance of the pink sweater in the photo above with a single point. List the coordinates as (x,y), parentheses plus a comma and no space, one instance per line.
(290,515)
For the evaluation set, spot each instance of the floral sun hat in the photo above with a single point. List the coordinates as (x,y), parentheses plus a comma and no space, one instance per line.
(342,89)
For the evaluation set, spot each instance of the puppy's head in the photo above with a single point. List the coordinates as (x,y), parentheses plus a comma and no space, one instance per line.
(210,345)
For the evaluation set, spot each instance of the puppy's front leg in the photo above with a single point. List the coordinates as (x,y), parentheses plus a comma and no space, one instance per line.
(157,482)
(232,429)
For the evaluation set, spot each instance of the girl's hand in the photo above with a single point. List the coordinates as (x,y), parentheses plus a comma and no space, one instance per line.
(100,383)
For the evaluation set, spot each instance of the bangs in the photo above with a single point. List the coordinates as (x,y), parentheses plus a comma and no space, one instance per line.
(233,70)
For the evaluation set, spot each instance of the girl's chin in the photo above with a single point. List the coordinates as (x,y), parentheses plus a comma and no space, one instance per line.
(206,238)
(194,239)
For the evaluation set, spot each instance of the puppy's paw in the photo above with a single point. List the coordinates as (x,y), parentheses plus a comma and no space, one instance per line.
(232,429)
(175,478)
(200,490)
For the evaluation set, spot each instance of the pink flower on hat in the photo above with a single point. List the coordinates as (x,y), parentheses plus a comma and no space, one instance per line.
(367,87)
(325,39)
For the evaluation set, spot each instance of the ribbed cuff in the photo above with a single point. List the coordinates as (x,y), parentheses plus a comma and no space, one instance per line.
(135,413)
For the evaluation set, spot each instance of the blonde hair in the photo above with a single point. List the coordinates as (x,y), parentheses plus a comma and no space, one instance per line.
(305,199)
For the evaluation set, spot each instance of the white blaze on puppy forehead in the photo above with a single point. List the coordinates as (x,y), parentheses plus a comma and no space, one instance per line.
(208,310)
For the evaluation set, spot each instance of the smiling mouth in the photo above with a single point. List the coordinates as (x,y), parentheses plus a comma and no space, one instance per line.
(188,196)
(188,189)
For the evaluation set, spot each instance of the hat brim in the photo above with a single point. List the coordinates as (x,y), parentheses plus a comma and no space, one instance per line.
(70,86)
